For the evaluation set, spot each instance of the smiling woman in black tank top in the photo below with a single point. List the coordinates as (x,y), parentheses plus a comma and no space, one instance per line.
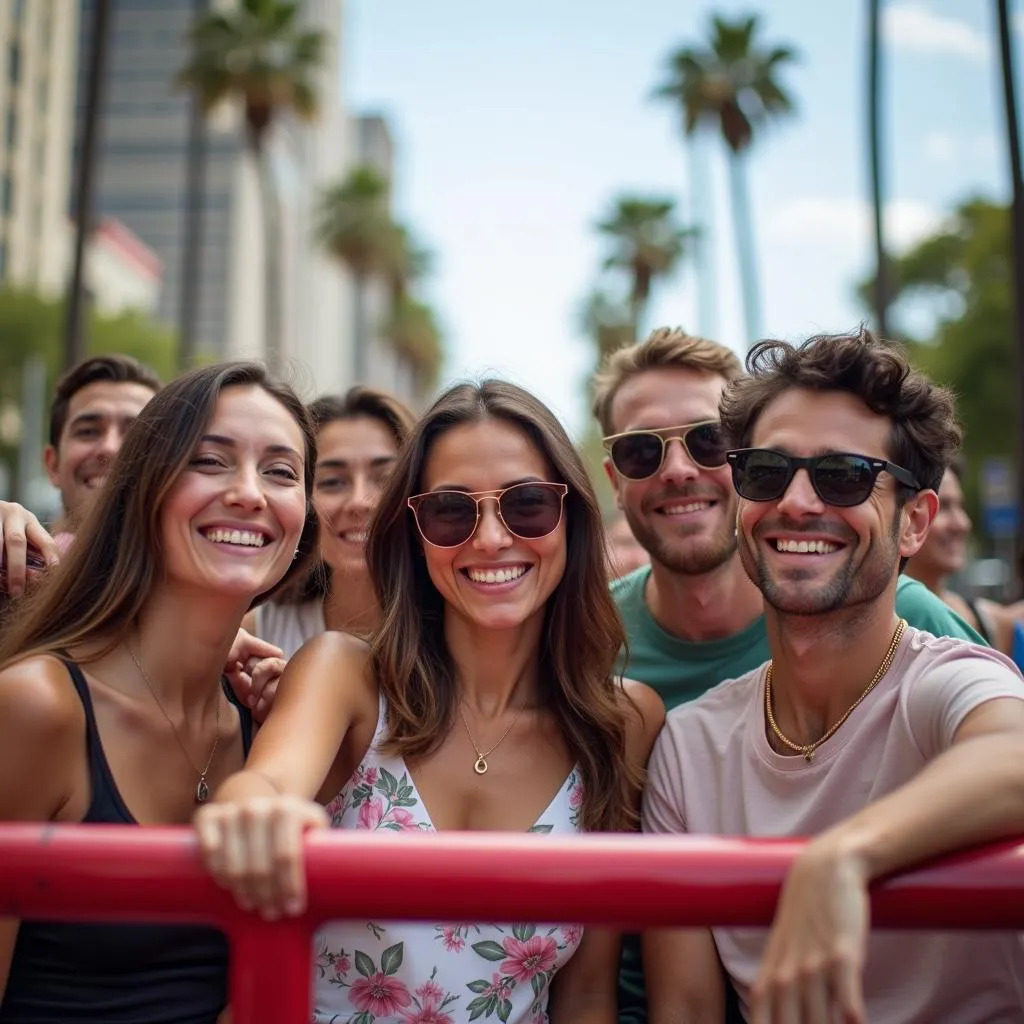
(112,706)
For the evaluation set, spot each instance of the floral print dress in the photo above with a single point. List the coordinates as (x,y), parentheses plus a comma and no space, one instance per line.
(445,973)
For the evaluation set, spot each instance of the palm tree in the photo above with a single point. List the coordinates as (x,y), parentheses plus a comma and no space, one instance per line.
(414,333)
(354,225)
(259,53)
(882,293)
(647,242)
(730,84)
(1017,227)
(608,322)
(74,327)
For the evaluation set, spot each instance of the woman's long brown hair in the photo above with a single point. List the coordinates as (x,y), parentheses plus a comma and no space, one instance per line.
(582,631)
(94,596)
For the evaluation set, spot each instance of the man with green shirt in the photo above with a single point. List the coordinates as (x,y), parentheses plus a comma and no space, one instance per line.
(693,618)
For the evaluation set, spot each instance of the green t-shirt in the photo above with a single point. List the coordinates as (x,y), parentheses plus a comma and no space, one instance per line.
(682,670)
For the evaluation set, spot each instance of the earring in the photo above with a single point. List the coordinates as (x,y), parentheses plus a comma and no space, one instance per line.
(296,555)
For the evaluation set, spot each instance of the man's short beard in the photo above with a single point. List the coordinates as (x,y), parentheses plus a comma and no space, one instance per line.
(686,556)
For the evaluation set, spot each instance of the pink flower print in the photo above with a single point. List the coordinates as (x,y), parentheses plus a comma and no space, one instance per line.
(525,960)
(370,776)
(571,934)
(499,986)
(400,816)
(430,991)
(371,813)
(430,1013)
(452,940)
(576,797)
(342,965)
(380,995)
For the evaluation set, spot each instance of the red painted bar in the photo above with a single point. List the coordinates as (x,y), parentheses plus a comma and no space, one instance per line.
(105,871)
(109,872)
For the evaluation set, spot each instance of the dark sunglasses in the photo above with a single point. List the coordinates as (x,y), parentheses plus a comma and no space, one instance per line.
(842,479)
(639,454)
(529,511)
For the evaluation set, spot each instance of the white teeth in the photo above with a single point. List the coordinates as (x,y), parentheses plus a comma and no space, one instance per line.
(242,538)
(355,537)
(679,510)
(496,575)
(806,547)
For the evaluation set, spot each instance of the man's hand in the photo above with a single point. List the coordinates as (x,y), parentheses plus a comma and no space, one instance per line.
(813,964)
(253,670)
(26,549)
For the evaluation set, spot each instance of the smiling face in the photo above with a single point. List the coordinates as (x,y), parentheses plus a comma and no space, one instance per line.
(945,549)
(233,519)
(684,515)
(494,580)
(807,557)
(97,418)
(354,460)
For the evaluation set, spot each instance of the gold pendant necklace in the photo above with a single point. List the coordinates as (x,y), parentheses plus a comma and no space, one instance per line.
(808,749)
(202,793)
(480,764)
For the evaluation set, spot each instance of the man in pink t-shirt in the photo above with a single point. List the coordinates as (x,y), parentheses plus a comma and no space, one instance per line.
(885,744)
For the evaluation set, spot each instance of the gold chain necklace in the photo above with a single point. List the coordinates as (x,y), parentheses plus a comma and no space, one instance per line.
(480,764)
(202,793)
(808,749)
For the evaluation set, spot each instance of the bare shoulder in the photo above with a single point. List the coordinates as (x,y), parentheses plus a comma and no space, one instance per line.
(42,730)
(645,726)
(36,695)
(332,663)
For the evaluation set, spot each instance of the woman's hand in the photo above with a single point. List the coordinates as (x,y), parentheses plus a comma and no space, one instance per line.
(252,846)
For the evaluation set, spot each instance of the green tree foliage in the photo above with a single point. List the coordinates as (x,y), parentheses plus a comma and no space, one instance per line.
(961,276)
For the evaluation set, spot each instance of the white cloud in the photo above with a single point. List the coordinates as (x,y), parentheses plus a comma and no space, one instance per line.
(846,223)
(911,25)
(940,147)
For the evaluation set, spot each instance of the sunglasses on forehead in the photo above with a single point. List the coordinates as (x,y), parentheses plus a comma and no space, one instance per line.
(529,511)
(639,454)
(842,479)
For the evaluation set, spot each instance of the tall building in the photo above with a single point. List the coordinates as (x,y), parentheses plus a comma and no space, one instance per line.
(37,61)
(142,179)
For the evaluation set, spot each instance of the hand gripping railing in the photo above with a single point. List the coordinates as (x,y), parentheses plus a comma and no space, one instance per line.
(81,872)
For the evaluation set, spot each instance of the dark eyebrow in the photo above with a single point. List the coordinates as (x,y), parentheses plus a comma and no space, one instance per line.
(380,460)
(227,442)
(503,487)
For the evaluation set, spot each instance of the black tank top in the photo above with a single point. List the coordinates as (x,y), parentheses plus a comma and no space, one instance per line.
(116,973)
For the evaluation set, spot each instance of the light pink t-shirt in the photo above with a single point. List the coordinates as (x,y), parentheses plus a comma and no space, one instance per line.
(713,772)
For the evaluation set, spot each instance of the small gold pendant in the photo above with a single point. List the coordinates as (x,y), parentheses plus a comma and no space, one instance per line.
(480,765)
(202,790)
(809,756)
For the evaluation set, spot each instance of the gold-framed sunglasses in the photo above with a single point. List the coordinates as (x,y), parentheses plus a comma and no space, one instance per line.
(530,510)
(639,454)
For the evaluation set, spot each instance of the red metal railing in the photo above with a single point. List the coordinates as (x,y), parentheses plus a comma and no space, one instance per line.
(76,872)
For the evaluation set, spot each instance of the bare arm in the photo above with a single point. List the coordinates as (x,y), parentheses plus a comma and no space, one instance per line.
(970,794)
(584,990)
(250,835)
(41,733)
(685,983)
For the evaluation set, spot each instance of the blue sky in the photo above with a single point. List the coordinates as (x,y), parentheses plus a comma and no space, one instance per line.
(516,126)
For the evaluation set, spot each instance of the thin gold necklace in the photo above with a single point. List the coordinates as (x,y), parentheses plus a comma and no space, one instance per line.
(808,749)
(480,764)
(202,793)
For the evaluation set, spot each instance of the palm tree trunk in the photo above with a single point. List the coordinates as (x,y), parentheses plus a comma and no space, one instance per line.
(702,216)
(74,326)
(272,322)
(881,289)
(743,226)
(361,329)
(192,244)
(1017,222)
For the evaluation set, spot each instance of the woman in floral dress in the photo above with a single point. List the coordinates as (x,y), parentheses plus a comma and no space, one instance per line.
(486,701)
